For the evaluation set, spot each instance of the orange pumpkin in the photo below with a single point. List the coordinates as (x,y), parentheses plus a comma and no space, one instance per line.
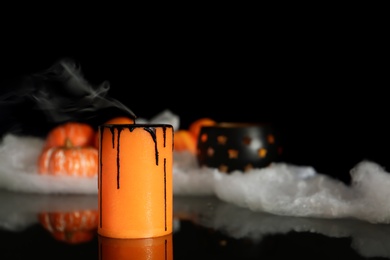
(196,125)
(71,227)
(69,160)
(187,139)
(79,134)
(184,141)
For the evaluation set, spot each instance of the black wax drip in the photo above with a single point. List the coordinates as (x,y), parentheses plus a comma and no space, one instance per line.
(152,132)
(165,192)
(165,249)
(118,159)
(164,135)
(149,129)
(112,137)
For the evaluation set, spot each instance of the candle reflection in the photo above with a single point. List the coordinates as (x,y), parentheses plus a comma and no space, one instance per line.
(156,248)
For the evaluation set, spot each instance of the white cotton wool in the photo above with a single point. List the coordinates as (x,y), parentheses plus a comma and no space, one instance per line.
(280,189)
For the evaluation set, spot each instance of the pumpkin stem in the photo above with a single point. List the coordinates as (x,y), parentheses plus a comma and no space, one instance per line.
(68,143)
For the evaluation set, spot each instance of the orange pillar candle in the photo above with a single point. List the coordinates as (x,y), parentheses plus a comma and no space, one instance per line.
(156,248)
(135,180)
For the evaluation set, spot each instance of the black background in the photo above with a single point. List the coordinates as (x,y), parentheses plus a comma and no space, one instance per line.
(320,75)
(324,85)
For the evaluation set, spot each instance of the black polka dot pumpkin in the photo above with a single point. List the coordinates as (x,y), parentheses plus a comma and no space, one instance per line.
(238,146)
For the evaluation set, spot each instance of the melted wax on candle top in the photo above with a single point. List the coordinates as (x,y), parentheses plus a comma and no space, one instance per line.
(149,128)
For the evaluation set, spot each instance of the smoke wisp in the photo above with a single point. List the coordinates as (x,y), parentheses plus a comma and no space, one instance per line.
(53,96)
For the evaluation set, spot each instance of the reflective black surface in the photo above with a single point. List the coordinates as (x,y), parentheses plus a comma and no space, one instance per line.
(204,228)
